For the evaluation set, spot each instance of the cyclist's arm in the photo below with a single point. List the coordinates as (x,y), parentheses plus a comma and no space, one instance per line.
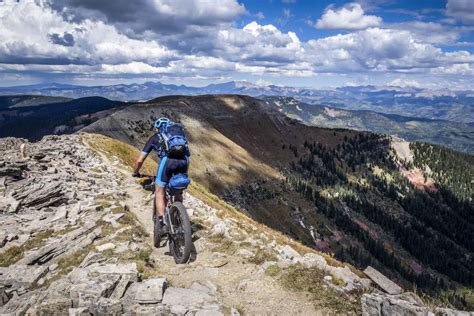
(139,162)
(144,153)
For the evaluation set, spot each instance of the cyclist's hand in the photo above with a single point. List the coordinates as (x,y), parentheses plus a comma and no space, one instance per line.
(136,175)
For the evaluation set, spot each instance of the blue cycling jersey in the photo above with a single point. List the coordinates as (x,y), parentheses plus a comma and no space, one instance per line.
(156,142)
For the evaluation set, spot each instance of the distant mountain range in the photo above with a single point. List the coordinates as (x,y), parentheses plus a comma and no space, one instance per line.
(458,136)
(443,104)
(33,117)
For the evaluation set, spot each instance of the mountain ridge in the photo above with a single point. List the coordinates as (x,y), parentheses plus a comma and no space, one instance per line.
(457,136)
(406,101)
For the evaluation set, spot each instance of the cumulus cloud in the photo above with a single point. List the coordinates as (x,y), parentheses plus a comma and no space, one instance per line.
(138,17)
(381,50)
(461,9)
(40,39)
(430,32)
(36,34)
(401,82)
(349,17)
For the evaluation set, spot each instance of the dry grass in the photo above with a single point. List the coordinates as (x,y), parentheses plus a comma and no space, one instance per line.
(15,253)
(67,264)
(261,256)
(224,245)
(310,280)
(125,153)
(273,270)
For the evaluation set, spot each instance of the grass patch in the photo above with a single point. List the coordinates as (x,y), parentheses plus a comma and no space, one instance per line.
(310,280)
(203,223)
(104,196)
(64,231)
(118,209)
(125,153)
(67,264)
(15,253)
(105,227)
(261,256)
(104,205)
(245,244)
(143,255)
(223,244)
(273,270)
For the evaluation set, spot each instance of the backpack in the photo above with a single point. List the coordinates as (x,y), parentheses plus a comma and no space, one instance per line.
(175,142)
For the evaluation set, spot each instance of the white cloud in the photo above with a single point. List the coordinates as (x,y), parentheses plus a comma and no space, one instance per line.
(349,17)
(401,82)
(259,15)
(461,9)
(25,38)
(95,47)
(381,50)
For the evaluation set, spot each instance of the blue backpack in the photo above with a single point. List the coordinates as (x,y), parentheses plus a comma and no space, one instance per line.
(176,144)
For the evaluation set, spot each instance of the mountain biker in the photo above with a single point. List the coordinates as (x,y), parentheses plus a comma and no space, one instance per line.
(171,162)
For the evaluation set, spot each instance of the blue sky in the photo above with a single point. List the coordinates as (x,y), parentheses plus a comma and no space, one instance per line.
(196,42)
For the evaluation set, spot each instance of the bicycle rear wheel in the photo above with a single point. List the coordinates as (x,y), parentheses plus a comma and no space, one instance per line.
(180,241)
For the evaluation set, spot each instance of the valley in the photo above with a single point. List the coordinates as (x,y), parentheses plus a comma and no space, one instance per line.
(454,135)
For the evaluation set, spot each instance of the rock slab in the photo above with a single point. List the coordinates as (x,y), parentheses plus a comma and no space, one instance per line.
(381,280)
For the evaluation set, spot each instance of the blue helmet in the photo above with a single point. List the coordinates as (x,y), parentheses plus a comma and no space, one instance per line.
(162,121)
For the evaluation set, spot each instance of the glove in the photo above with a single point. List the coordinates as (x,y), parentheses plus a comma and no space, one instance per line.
(136,175)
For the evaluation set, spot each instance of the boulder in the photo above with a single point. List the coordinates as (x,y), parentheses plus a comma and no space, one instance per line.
(186,297)
(381,304)
(151,291)
(92,288)
(382,281)
(54,306)
(119,270)
(220,229)
(287,253)
(121,287)
(41,195)
(313,260)
(19,275)
(106,306)
(105,247)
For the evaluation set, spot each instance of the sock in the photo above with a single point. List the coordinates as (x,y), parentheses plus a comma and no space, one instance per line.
(160,218)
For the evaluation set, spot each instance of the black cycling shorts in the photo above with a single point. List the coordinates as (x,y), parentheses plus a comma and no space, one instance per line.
(169,167)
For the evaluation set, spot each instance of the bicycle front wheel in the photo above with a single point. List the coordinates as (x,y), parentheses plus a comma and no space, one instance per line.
(180,242)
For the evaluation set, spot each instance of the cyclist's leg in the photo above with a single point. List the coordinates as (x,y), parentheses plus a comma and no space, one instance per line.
(160,184)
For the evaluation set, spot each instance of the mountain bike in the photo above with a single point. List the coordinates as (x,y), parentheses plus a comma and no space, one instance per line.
(179,234)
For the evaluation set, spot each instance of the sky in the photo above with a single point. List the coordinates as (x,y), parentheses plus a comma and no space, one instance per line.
(302,43)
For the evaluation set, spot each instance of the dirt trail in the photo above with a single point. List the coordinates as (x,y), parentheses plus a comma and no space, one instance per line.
(239,284)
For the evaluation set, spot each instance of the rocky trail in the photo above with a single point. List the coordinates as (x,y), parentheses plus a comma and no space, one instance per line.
(75,239)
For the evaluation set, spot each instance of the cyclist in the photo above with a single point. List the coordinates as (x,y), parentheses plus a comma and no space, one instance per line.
(174,159)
